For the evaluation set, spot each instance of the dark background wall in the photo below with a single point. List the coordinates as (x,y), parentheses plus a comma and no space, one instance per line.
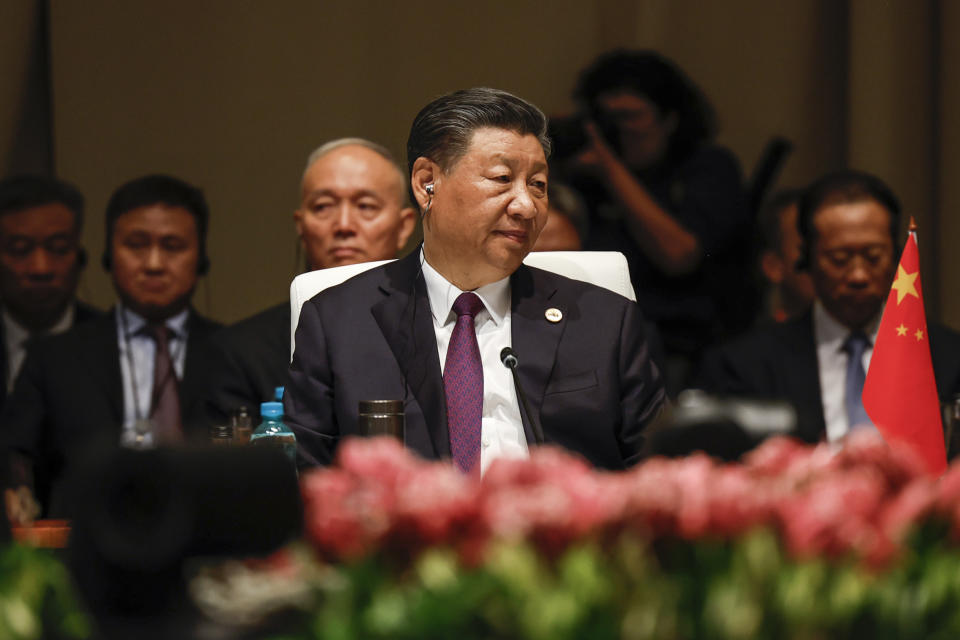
(233,94)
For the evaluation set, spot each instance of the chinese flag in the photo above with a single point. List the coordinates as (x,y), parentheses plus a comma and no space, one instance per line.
(900,393)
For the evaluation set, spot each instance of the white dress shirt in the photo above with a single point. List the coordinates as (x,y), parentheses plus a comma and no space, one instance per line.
(139,348)
(832,362)
(16,337)
(502,434)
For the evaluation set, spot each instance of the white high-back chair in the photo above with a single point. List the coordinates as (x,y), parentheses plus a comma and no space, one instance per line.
(606,269)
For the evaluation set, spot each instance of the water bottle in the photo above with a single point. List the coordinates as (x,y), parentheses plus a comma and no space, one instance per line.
(272,432)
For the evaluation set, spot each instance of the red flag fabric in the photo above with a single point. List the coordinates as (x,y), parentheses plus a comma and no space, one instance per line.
(900,392)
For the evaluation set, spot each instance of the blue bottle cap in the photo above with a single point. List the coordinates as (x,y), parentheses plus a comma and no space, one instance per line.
(278,394)
(271,409)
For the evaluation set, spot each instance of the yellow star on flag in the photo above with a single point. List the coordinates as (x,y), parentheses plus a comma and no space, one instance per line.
(904,284)
(919,335)
(901,330)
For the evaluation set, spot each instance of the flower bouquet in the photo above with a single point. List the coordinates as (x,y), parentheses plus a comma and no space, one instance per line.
(795,542)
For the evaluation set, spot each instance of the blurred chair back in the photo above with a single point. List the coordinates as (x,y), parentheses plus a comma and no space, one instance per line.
(606,269)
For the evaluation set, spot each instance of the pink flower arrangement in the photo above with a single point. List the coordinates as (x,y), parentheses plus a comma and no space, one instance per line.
(860,501)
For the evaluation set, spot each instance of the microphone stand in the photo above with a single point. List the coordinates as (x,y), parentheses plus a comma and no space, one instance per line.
(510,361)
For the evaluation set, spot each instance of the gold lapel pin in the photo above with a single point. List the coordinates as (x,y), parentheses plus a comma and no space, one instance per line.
(553,315)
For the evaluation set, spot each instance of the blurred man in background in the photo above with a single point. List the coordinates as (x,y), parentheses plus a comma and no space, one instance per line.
(567,221)
(41,259)
(848,224)
(352,209)
(791,290)
(134,377)
(661,191)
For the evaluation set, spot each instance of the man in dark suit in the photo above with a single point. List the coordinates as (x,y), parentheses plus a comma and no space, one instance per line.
(848,222)
(429,329)
(352,209)
(41,220)
(134,377)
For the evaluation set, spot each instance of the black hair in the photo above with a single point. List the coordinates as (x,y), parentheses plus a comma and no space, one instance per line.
(655,77)
(153,190)
(443,129)
(28,191)
(845,186)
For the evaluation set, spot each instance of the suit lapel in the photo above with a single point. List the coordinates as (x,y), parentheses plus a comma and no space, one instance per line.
(535,339)
(406,322)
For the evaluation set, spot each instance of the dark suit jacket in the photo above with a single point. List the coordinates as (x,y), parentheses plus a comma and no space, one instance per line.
(779,362)
(82,313)
(251,359)
(69,396)
(588,378)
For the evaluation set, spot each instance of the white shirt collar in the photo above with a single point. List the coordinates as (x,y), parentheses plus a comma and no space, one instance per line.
(442,294)
(135,322)
(17,334)
(830,333)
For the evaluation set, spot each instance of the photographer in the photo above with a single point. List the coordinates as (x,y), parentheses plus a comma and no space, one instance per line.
(660,192)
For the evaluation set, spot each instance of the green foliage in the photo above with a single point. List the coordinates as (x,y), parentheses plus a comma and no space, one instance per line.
(709,589)
(37,598)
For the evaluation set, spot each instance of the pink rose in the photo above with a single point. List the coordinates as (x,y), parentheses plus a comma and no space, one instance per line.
(435,505)
(740,501)
(911,505)
(834,514)
(380,459)
(775,455)
(332,526)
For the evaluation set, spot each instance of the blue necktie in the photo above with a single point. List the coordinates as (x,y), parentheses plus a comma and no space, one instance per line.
(854,346)
(463,385)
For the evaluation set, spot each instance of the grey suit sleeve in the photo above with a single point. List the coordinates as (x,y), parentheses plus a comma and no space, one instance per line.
(309,403)
(642,392)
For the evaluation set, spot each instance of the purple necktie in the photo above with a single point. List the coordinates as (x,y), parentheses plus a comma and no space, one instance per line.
(165,412)
(463,385)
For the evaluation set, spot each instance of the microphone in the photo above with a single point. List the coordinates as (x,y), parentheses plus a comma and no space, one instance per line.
(510,361)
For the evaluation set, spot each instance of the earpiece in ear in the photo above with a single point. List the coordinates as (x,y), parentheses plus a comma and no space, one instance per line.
(429,189)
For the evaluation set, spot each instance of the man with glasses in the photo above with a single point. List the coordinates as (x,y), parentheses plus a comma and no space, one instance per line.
(40,263)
